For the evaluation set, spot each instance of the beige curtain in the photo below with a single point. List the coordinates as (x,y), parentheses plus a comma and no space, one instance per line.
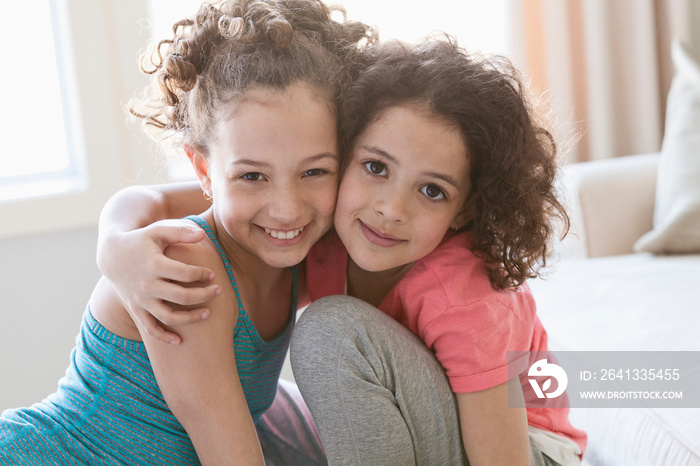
(603,66)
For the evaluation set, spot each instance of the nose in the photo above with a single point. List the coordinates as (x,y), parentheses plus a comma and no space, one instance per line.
(287,205)
(393,206)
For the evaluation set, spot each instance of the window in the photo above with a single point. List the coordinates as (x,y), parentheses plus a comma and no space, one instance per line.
(41,152)
(478,25)
(97,46)
(163,14)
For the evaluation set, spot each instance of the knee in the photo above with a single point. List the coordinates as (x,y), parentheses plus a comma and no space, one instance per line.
(333,315)
(325,318)
(323,326)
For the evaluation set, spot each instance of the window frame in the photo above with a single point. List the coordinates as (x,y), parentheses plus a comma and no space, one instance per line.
(98,46)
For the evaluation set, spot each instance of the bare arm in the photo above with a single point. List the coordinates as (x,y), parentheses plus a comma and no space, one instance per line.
(492,432)
(137,206)
(130,254)
(199,378)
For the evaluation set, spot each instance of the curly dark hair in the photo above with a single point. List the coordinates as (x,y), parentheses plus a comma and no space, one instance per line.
(512,154)
(233,46)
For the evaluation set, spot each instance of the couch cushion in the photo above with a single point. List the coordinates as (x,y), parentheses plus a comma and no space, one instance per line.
(635,302)
(677,210)
(639,436)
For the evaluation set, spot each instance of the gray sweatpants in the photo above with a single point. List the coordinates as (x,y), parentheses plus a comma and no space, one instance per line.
(377,394)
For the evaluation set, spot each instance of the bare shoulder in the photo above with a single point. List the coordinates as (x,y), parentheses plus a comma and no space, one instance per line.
(108,309)
(204,253)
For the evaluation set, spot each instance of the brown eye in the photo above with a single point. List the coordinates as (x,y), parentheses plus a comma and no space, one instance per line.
(376,168)
(255,176)
(433,192)
(314,172)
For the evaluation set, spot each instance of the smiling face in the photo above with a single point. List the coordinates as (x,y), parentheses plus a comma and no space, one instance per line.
(404,187)
(272,170)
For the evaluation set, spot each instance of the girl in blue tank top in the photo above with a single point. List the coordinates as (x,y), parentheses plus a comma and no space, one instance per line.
(247,89)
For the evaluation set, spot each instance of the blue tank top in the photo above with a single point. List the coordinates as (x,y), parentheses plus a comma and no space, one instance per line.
(108,409)
(259,362)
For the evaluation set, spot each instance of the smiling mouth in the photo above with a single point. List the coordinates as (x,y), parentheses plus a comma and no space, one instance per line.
(379,238)
(281,234)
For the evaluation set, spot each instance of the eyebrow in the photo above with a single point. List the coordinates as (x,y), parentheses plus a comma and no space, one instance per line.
(440,176)
(257,163)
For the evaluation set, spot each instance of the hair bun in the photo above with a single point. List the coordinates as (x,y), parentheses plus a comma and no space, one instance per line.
(181,73)
(279,31)
(231,46)
(231,27)
(259,25)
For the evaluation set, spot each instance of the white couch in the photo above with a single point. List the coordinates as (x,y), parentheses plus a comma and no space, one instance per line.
(602,296)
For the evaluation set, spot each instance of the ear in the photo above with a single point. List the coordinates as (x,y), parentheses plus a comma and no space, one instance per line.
(201,167)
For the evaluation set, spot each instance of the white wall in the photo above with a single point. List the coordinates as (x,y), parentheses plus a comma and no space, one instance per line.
(45,282)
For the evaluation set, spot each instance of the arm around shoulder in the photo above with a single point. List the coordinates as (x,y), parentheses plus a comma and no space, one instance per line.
(137,206)
(130,254)
(130,209)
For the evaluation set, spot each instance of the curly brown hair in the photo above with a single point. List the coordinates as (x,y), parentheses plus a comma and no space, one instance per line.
(512,153)
(233,46)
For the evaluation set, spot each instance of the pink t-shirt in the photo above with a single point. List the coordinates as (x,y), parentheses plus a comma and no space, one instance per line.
(448,301)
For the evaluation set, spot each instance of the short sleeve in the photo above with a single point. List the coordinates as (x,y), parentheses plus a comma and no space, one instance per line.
(472,343)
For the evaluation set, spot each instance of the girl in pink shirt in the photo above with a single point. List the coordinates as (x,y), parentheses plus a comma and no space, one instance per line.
(445,209)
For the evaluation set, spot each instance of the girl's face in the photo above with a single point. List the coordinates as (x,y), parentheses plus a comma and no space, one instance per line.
(272,170)
(404,187)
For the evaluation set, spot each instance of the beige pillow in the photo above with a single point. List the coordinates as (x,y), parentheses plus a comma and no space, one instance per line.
(677,208)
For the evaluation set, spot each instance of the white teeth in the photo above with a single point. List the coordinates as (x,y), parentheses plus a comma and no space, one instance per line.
(284,234)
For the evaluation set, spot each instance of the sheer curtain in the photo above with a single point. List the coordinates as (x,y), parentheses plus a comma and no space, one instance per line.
(478,25)
(604,65)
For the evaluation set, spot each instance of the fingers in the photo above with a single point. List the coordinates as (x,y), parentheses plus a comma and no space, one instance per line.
(164,234)
(161,315)
(192,316)
(190,296)
(176,293)
(184,273)
(177,233)
(156,330)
